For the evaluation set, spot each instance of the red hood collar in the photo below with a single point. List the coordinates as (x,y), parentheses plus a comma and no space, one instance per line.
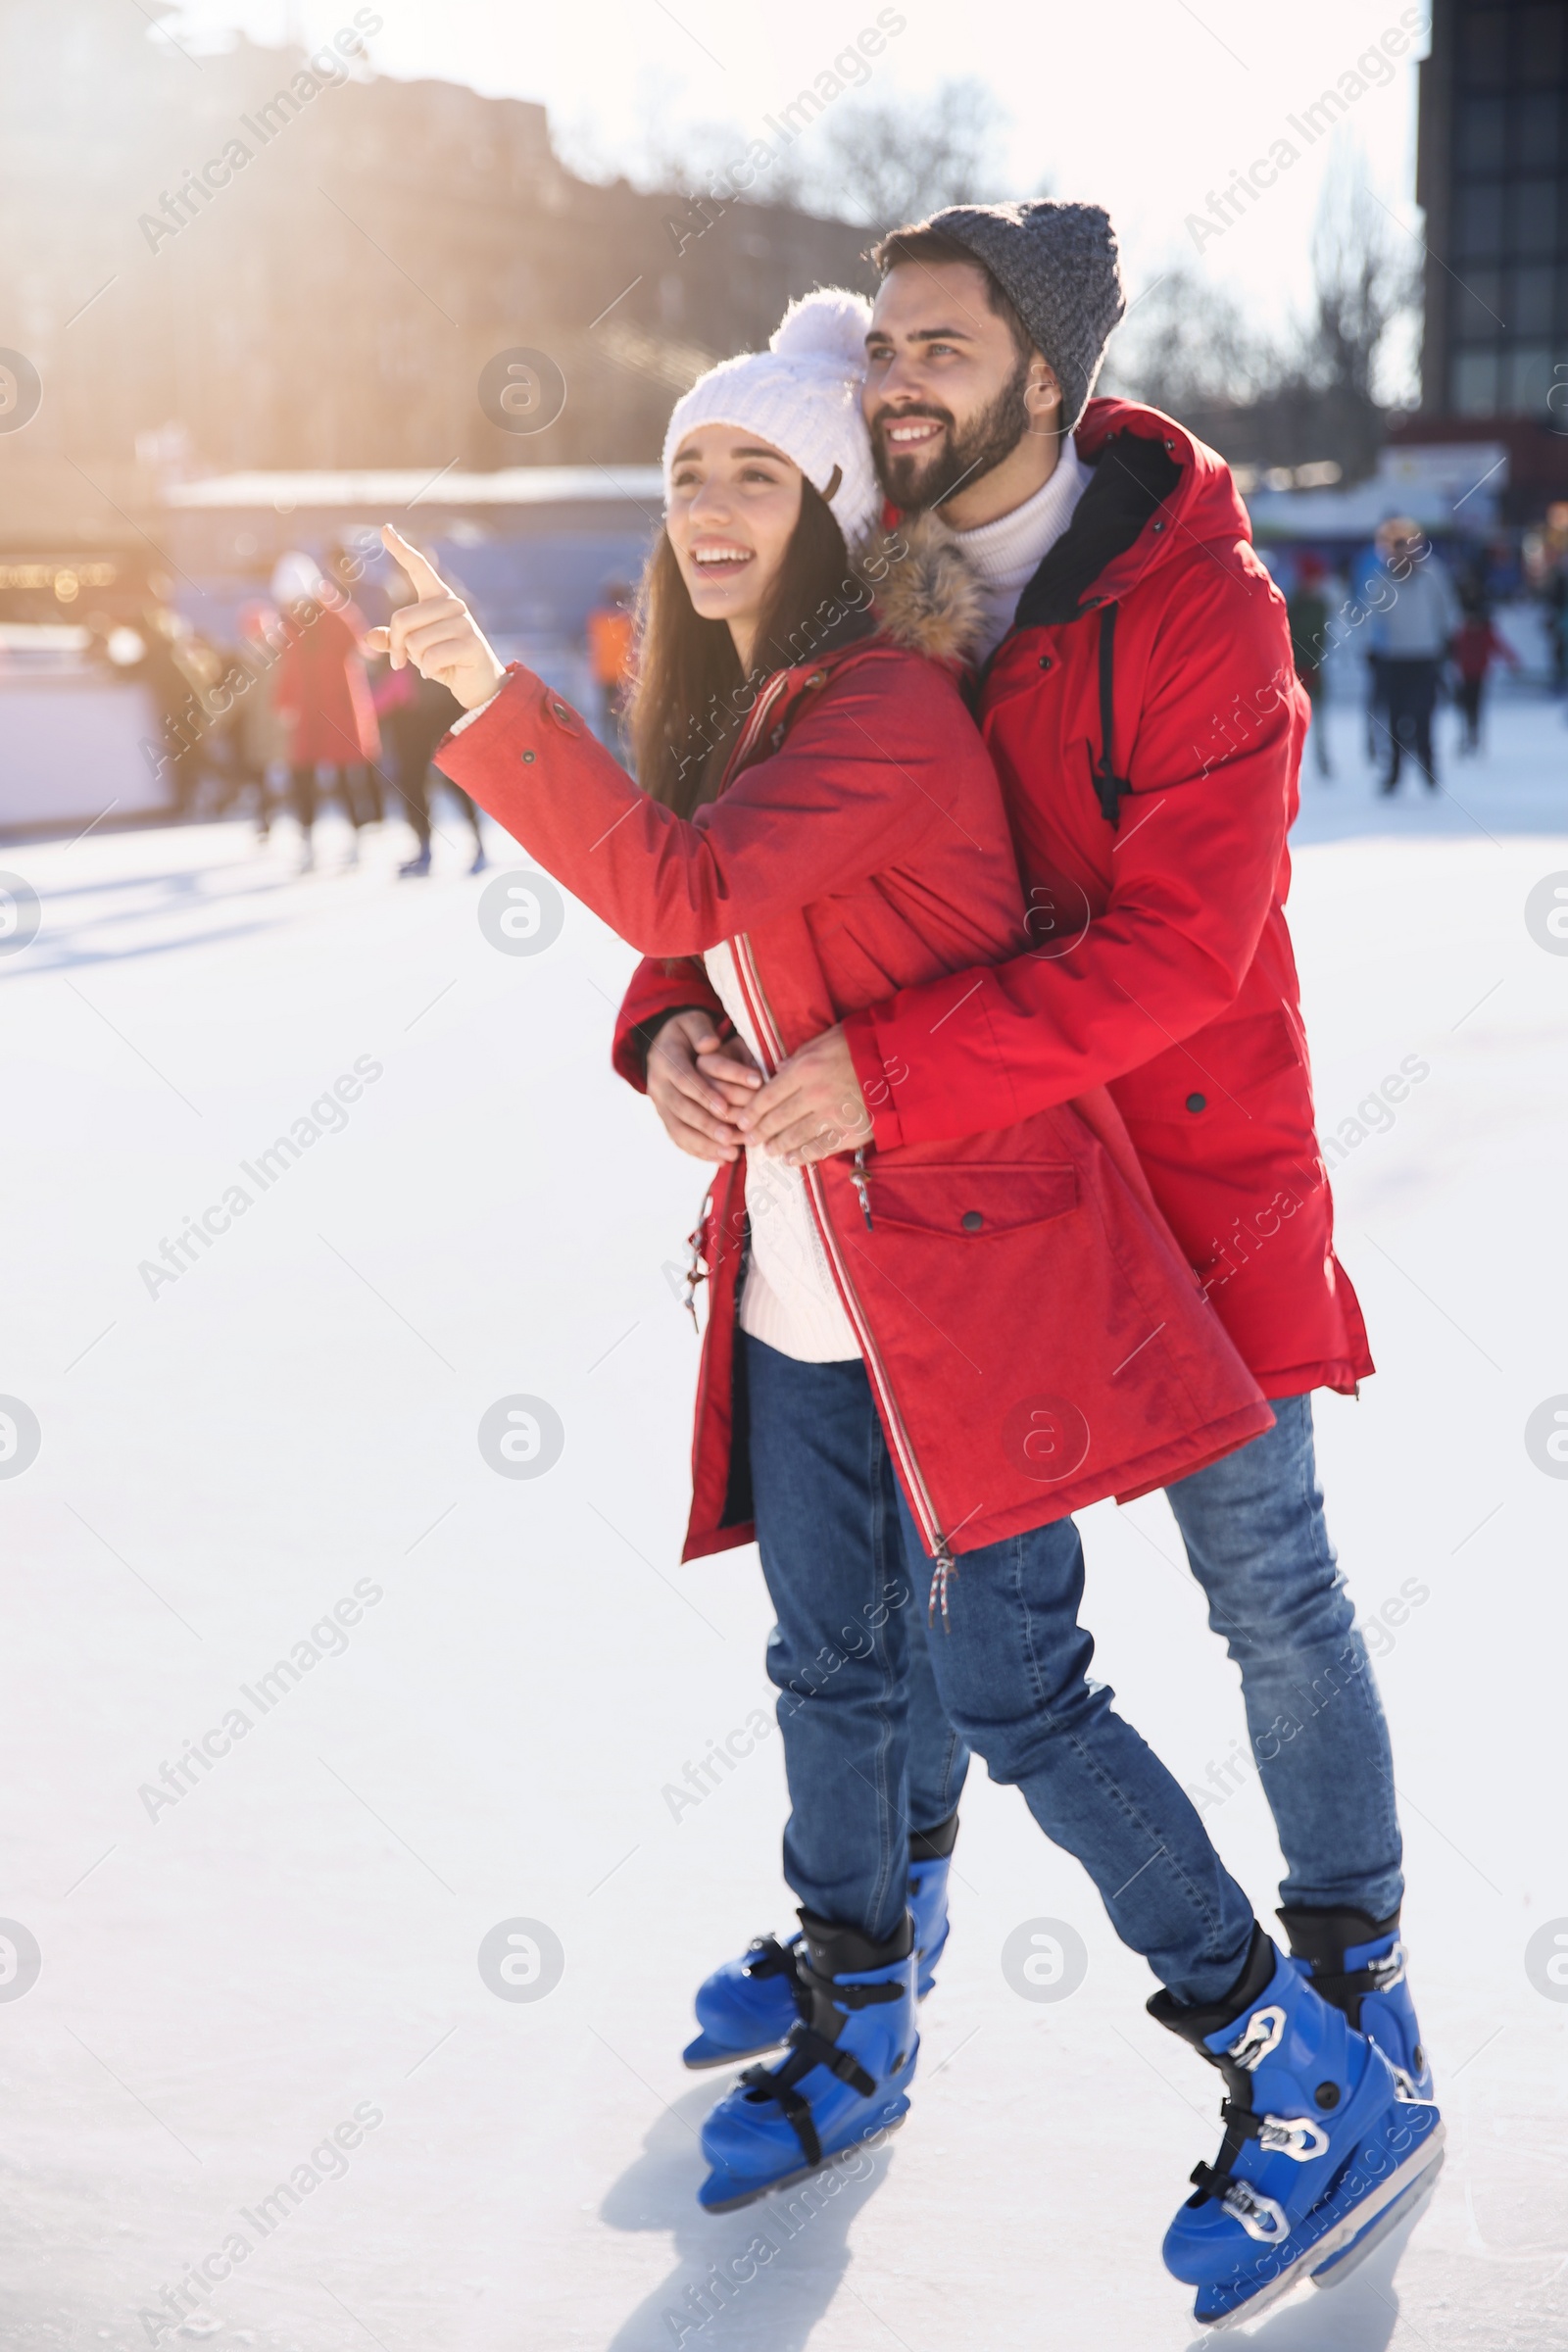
(1205,503)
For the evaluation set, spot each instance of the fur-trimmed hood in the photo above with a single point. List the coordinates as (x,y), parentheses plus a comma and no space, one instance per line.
(926,594)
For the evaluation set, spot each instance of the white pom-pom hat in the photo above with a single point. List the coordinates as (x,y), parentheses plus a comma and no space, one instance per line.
(803,395)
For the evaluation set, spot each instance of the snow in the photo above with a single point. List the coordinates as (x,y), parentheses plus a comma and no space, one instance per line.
(296,1417)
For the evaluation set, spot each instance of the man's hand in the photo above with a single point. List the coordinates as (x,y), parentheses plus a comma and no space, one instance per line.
(439,635)
(813,1107)
(696,1083)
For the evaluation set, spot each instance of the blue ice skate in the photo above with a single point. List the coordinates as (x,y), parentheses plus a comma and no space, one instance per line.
(1319,2145)
(748,2005)
(844,2075)
(1358,1965)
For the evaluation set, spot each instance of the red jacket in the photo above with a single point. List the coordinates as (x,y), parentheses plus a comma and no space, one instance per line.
(1033,1337)
(1161,964)
(1475,646)
(322,692)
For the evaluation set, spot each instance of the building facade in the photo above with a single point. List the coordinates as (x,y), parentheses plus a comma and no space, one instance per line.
(268,258)
(1492,178)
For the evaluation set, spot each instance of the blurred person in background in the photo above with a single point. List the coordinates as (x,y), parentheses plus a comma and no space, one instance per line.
(415,712)
(1377,705)
(170,690)
(257,742)
(347,573)
(1415,616)
(611,636)
(1475,647)
(323,695)
(1364,571)
(1554,598)
(350,572)
(1307,612)
(183,674)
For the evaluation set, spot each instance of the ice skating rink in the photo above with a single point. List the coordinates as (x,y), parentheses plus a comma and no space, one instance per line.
(304,1709)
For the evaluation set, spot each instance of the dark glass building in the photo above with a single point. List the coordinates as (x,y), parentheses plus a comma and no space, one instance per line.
(1493,177)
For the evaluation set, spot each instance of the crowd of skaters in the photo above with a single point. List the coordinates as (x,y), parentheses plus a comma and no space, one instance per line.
(317,717)
(325,721)
(298,712)
(1422,631)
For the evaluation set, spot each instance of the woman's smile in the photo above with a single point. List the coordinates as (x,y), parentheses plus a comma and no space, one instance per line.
(722,558)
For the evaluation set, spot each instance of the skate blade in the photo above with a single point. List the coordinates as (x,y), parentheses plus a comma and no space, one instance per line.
(701,2053)
(765,2188)
(1407,2207)
(1333,2241)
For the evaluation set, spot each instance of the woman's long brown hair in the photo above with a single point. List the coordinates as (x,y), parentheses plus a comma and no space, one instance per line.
(692,697)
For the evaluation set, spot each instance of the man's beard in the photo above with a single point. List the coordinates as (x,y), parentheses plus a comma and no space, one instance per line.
(916,479)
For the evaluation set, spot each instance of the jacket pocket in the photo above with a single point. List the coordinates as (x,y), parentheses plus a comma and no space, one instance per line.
(1215,1073)
(969,1201)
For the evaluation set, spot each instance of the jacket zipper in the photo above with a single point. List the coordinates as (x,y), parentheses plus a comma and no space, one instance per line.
(862,1188)
(764,704)
(766,700)
(936,1543)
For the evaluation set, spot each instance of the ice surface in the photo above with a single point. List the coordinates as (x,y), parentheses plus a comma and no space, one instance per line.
(297,1935)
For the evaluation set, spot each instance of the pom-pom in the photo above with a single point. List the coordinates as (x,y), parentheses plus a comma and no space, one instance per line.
(829,324)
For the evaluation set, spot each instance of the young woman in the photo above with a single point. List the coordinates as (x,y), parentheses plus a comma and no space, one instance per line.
(917,1362)
(321,695)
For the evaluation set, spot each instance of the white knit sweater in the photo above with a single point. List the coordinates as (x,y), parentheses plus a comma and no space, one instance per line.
(790,1301)
(1008,552)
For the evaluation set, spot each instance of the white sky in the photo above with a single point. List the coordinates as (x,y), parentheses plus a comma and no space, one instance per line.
(1146,105)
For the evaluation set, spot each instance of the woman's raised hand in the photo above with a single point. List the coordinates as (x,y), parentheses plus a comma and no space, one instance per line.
(439,635)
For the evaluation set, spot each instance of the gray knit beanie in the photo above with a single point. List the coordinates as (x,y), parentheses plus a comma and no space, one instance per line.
(1058,265)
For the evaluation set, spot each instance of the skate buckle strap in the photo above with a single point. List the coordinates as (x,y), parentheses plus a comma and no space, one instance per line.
(1347,1988)
(806,2048)
(1259,2216)
(848,1997)
(1404,2086)
(765,1956)
(843,2063)
(1389,1971)
(797,2111)
(1260,2036)
(1298,2136)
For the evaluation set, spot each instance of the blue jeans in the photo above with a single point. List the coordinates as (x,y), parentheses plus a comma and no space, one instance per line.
(1257,1544)
(871,1754)
(847,1575)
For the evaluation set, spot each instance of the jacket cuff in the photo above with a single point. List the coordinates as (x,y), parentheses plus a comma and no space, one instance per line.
(478,711)
(875,1079)
(507,695)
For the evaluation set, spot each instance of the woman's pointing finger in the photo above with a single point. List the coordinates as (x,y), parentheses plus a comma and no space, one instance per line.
(423,577)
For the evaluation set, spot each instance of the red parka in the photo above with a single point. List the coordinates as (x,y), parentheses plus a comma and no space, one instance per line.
(1033,1337)
(322,692)
(1145,722)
